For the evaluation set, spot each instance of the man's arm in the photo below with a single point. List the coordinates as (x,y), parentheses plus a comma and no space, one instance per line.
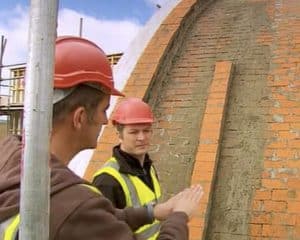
(97,220)
(94,220)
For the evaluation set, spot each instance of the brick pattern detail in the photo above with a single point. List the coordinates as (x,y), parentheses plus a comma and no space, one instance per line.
(276,203)
(209,144)
(138,83)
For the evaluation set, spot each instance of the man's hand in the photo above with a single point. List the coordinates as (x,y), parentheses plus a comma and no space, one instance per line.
(185,201)
(188,200)
(162,210)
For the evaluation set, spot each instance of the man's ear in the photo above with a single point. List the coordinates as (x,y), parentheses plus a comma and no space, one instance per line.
(79,117)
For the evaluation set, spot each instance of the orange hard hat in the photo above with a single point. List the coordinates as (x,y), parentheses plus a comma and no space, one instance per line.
(132,111)
(78,61)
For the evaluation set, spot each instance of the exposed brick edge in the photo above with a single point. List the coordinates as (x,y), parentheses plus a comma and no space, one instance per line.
(209,145)
(141,77)
(275,210)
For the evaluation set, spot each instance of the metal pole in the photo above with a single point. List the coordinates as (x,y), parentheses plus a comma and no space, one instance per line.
(80,27)
(3,44)
(35,184)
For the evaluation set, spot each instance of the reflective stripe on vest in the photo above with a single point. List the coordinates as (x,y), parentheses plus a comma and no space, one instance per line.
(131,195)
(149,231)
(93,188)
(9,228)
(137,194)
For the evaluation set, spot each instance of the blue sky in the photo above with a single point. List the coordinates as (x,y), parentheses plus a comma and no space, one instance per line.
(139,10)
(112,24)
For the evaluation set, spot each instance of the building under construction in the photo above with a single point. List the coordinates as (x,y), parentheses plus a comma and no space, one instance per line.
(12,97)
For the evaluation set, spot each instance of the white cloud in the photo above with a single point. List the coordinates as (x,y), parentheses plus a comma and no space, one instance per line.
(14,26)
(112,36)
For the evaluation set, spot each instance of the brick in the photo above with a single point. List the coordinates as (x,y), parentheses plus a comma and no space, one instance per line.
(222,67)
(262,195)
(293,183)
(210,127)
(275,206)
(273,184)
(293,165)
(215,102)
(206,166)
(197,222)
(195,232)
(283,219)
(280,111)
(274,164)
(294,207)
(260,218)
(216,95)
(274,231)
(297,232)
(297,219)
(284,153)
(209,147)
(280,126)
(220,84)
(280,195)
(255,230)
(202,176)
(213,118)
(277,144)
(294,143)
(287,134)
(206,156)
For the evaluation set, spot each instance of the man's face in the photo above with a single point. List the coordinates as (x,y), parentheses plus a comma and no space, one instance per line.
(135,139)
(93,126)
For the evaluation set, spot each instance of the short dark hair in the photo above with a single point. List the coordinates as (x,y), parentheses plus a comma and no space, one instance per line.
(85,96)
(119,127)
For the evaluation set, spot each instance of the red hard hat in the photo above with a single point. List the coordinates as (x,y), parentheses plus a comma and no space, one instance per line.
(78,60)
(132,111)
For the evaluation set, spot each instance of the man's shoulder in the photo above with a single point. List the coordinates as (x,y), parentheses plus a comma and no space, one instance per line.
(81,192)
(72,198)
(78,205)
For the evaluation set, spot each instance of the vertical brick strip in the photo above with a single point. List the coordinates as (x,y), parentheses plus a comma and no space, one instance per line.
(209,145)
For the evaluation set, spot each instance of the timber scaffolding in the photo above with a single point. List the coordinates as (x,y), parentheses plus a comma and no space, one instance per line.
(12,95)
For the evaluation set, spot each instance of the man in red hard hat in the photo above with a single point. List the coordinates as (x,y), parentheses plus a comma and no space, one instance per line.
(83,85)
(128,177)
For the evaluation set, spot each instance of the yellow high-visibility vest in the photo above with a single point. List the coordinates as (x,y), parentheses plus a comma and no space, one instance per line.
(9,228)
(137,194)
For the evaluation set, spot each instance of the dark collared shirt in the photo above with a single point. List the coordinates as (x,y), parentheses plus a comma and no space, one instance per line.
(111,188)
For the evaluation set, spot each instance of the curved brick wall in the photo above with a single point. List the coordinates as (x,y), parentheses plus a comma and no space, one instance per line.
(160,52)
(223,79)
